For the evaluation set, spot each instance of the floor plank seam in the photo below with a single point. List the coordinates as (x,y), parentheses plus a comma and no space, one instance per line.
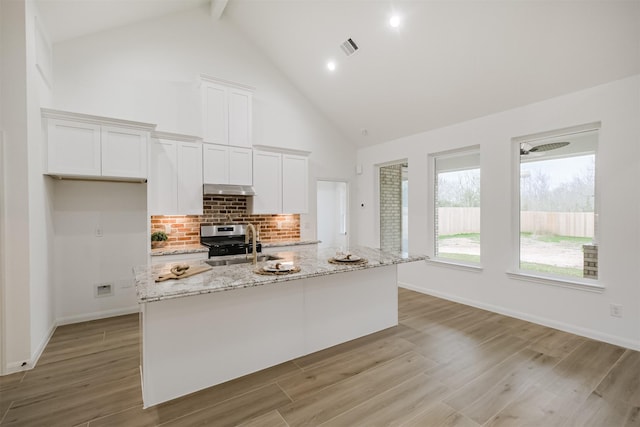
(373,397)
(282,418)
(5,413)
(284,391)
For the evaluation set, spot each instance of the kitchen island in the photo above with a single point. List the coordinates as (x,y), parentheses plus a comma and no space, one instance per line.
(229,321)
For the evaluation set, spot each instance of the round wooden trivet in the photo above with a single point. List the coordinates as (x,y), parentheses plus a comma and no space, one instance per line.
(276,273)
(359,262)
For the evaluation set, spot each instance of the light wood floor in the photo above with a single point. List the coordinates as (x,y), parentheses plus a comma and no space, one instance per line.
(446,364)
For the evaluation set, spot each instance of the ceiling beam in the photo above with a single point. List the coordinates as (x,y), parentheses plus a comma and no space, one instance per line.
(217,8)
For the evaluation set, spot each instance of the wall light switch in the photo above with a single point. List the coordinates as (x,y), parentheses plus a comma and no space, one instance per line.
(98,230)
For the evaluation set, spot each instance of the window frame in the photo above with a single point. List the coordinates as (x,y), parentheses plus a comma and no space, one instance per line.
(515,272)
(431,208)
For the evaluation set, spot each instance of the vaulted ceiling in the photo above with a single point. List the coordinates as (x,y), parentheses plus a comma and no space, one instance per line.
(449,61)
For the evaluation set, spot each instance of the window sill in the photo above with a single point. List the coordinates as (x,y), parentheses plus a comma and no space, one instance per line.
(580,284)
(456,265)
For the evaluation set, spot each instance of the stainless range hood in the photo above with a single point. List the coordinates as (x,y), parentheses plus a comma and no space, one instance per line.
(228,190)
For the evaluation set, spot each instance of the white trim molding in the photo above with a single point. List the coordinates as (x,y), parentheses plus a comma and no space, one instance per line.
(97,120)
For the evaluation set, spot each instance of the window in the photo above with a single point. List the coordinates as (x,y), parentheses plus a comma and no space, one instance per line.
(557,204)
(457,205)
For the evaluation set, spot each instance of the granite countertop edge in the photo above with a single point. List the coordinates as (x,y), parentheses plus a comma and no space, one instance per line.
(289,243)
(189,249)
(313,263)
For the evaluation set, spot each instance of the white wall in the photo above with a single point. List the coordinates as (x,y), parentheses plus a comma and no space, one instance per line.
(617,106)
(83,260)
(27,305)
(148,72)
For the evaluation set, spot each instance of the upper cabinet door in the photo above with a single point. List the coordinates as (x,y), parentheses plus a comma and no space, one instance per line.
(162,187)
(215,113)
(73,148)
(189,178)
(124,152)
(294,184)
(240,117)
(215,163)
(240,166)
(267,172)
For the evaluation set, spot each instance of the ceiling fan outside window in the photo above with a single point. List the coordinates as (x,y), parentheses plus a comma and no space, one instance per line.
(526,148)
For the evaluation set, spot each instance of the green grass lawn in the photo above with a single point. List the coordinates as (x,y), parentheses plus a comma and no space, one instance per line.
(474,237)
(460,257)
(552,238)
(551,269)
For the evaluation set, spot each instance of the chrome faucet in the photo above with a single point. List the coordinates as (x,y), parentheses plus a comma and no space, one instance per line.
(255,242)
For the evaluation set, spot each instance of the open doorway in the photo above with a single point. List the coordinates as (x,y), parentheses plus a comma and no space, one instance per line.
(332,213)
(394,207)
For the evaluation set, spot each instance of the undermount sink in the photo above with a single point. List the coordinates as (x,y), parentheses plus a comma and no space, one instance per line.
(232,261)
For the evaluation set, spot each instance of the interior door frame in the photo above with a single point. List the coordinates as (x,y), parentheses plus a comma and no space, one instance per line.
(3,252)
(348,205)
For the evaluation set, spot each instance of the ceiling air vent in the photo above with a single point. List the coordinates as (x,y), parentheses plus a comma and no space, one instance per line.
(349,47)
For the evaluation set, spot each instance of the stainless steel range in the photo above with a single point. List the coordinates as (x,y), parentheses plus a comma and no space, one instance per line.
(226,240)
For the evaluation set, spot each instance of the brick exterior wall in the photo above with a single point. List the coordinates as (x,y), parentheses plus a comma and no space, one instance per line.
(391,207)
(218,210)
(590,266)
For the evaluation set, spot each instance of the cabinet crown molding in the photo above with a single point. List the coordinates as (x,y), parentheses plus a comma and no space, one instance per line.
(97,120)
(207,78)
(175,136)
(281,150)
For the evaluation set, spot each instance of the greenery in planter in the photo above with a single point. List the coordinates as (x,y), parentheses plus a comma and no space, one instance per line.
(159,236)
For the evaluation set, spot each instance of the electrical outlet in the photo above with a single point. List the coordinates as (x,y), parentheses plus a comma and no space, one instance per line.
(615,310)
(98,230)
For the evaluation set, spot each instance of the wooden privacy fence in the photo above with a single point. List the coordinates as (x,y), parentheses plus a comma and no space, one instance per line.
(467,220)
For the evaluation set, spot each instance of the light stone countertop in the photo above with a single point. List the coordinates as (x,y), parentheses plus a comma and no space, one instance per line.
(313,262)
(187,249)
(289,243)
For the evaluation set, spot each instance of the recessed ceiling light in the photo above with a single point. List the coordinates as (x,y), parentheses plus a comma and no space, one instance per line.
(331,65)
(394,21)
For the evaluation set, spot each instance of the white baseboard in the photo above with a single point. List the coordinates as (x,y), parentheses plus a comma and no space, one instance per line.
(566,327)
(97,315)
(26,365)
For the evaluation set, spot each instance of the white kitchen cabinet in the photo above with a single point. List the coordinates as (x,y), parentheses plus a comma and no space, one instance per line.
(215,112)
(240,166)
(73,148)
(227,110)
(280,181)
(93,147)
(240,117)
(267,173)
(175,175)
(124,152)
(215,163)
(224,164)
(189,178)
(295,171)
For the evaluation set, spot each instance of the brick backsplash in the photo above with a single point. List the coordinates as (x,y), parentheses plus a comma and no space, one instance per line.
(185,229)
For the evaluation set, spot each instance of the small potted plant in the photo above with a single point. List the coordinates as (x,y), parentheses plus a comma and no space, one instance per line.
(159,239)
